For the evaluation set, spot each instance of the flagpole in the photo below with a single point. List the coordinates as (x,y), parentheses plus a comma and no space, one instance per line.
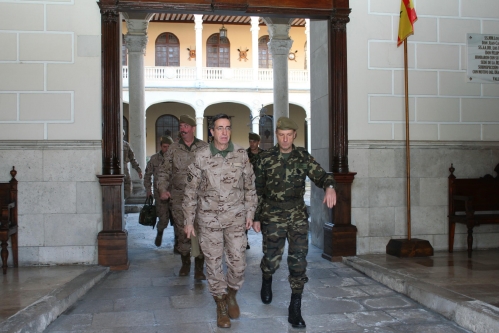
(407,149)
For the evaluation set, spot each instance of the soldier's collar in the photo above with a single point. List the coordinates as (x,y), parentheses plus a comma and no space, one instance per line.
(181,141)
(215,151)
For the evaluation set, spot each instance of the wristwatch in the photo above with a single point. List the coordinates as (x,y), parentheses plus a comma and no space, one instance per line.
(331,186)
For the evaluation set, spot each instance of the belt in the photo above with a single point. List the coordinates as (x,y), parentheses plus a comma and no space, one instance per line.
(286,204)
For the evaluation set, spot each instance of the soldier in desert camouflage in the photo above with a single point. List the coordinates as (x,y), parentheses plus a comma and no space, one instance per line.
(172,177)
(150,177)
(129,157)
(220,196)
(253,151)
(280,183)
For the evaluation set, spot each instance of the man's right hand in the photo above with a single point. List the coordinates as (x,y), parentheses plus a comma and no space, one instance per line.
(149,194)
(256,226)
(165,195)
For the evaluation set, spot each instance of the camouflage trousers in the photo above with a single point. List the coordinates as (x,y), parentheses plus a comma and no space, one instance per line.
(215,242)
(128,186)
(162,211)
(184,243)
(279,225)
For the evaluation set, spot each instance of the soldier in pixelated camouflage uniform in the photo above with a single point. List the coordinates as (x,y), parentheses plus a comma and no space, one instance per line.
(280,184)
(152,170)
(129,157)
(220,196)
(172,177)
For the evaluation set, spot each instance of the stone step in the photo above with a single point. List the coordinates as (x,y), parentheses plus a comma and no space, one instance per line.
(37,316)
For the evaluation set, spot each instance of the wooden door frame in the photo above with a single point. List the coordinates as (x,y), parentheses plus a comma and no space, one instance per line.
(112,240)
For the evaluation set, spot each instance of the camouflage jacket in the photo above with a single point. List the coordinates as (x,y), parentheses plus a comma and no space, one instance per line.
(129,156)
(172,172)
(152,170)
(221,191)
(283,181)
(252,156)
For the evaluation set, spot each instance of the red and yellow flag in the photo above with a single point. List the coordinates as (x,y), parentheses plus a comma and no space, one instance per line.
(407,18)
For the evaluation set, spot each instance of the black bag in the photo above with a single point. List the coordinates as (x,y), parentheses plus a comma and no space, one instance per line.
(147,214)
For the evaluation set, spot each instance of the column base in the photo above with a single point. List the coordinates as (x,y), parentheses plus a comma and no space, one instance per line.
(339,241)
(405,248)
(113,249)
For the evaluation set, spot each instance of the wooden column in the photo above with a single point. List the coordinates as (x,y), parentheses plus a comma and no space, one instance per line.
(112,240)
(340,236)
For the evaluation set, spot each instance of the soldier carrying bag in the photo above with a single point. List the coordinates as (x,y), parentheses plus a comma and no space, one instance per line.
(147,214)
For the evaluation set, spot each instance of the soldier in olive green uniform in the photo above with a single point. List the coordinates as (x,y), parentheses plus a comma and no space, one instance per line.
(253,151)
(129,157)
(172,177)
(280,184)
(220,196)
(152,170)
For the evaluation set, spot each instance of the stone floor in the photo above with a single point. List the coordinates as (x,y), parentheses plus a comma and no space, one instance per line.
(150,297)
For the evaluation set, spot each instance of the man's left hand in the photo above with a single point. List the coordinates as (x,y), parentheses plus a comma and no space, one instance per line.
(189,230)
(249,223)
(330,197)
(140,175)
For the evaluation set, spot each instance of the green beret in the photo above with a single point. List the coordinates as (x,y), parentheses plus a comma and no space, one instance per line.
(284,123)
(166,139)
(254,136)
(186,119)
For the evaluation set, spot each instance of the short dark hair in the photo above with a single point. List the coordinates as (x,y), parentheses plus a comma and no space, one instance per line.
(219,116)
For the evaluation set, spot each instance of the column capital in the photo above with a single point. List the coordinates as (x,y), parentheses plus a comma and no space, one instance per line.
(136,43)
(280,46)
(137,27)
(339,19)
(198,21)
(255,21)
(278,31)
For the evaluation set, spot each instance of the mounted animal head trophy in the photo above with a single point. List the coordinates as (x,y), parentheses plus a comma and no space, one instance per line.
(192,54)
(243,54)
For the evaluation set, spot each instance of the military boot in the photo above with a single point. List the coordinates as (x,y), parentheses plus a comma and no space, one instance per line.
(198,269)
(294,312)
(234,312)
(266,291)
(159,238)
(223,319)
(186,265)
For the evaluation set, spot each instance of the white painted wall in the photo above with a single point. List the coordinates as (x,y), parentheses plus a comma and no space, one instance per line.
(50,126)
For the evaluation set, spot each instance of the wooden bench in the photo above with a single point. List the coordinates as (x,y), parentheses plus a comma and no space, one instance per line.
(8,227)
(473,202)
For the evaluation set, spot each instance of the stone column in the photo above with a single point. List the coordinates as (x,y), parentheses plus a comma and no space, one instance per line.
(307,33)
(199,127)
(198,20)
(254,43)
(309,132)
(279,45)
(136,42)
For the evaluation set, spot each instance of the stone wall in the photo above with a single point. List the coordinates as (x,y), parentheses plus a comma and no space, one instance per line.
(59,199)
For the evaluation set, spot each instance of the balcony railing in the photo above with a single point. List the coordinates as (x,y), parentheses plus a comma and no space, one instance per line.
(216,77)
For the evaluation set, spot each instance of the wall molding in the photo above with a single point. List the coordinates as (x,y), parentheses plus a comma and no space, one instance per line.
(400,144)
(50,145)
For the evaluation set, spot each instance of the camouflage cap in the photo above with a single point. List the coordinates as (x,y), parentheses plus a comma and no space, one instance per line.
(284,123)
(254,136)
(186,119)
(166,139)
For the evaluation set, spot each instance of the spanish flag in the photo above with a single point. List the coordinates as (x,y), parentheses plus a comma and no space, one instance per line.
(407,18)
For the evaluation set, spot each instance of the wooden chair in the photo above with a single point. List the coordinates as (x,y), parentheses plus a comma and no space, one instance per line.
(8,226)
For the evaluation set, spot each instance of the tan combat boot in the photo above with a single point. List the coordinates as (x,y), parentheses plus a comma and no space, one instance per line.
(198,269)
(223,319)
(232,305)
(186,265)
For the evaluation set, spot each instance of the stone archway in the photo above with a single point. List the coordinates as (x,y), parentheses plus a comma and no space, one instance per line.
(112,240)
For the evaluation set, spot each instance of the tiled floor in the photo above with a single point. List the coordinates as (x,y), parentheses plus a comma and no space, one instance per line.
(150,297)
